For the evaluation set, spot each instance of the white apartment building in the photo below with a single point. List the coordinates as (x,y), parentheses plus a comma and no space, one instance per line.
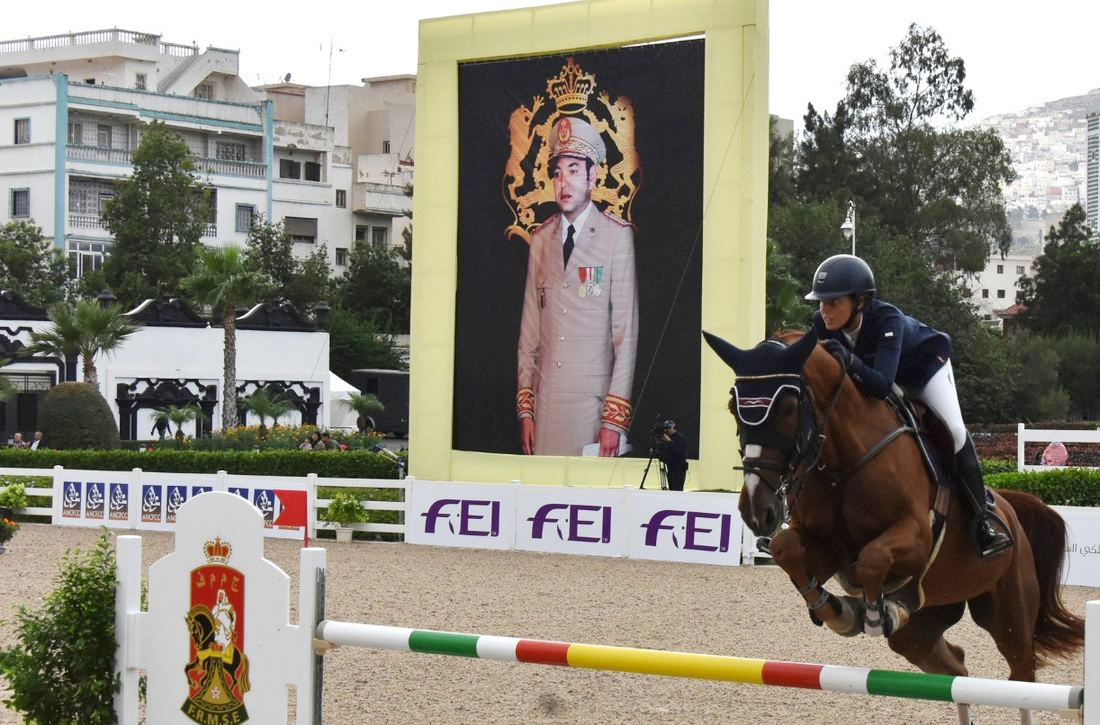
(73,108)
(994,288)
(1092,174)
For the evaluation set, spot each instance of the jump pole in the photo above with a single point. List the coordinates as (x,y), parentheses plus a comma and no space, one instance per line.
(831,678)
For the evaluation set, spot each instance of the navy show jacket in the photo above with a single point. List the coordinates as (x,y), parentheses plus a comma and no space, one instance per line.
(893,347)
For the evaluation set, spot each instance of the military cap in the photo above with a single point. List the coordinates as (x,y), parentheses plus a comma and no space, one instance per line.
(573,136)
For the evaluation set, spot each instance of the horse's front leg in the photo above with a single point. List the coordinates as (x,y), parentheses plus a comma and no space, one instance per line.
(902,550)
(809,566)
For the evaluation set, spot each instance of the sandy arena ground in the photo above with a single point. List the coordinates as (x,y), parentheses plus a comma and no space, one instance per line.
(732,611)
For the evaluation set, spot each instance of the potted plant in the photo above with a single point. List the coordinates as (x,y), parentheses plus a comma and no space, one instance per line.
(8,527)
(343,510)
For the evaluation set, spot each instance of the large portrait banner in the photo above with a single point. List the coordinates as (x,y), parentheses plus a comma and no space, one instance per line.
(579,270)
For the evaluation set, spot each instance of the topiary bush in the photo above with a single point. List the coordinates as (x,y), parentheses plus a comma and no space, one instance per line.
(75,415)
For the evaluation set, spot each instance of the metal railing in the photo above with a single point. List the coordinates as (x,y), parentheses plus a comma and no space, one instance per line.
(93,37)
(226,167)
(86,221)
(98,153)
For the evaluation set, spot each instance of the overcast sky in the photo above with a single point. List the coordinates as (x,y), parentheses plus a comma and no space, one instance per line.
(1016,56)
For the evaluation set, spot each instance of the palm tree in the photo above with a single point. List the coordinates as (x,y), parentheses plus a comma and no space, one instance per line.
(85,329)
(179,416)
(364,404)
(264,405)
(222,280)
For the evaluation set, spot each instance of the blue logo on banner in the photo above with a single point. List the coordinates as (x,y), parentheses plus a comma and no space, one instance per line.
(264,500)
(177,496)
(118,502)
(71,499)
(152,503)
(96,501)
(196,490)
(242,492)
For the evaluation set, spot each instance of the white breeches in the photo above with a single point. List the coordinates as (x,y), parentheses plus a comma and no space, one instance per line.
(940,395)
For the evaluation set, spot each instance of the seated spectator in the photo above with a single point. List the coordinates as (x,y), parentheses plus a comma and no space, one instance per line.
(315,440)
(18,442)
(329,443)
(37,442)
(1055,455)
(307,444)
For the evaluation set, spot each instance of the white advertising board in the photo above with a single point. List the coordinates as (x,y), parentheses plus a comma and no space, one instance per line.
(572,520)
(474,515)
(696,528)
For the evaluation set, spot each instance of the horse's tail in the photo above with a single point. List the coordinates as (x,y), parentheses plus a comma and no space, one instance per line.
(1058,631)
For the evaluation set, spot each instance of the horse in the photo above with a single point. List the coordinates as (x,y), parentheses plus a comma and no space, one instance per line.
(838,481)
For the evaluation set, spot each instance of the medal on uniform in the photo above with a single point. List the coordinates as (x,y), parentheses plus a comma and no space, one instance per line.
(584,274)
(596,290)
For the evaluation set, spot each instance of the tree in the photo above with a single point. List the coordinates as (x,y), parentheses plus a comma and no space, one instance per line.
(376,288)
(1063,296)
(891,148)
(1037,394)
(31,266)
(265,405)
(355,344)
(302,283)
(364,404)
(157,219)
(85,328)
(178,416)
(1079,372)
(222,280)
(785,308)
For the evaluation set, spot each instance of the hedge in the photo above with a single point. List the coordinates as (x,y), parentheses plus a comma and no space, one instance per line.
(327,464)
(1058,487)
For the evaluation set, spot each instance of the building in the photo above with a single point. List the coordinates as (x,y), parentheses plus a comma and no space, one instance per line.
(1092,173)
(994,288)
(333,164)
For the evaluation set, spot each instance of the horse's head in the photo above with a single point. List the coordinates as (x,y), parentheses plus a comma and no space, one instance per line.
(776,422)
(200,624)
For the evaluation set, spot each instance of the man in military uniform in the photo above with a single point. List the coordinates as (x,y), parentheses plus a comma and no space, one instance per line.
(579,330)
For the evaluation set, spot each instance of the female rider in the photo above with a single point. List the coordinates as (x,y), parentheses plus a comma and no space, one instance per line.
(880,345)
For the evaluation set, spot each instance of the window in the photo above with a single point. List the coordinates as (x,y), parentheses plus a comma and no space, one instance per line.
(89,81)
(204,91)
(140,80)
(313,171)
(85,257)
(289,169)
(76,133)
(342,198)
(20,203)
(22,130)
(103,136)
(341,257)
(1019,269)
(1000,294)
(1000,269)
(386,146)
(301,229)
(361,233)
(230,151)
(244,217)
(89,197)
(378,236)
(985,294)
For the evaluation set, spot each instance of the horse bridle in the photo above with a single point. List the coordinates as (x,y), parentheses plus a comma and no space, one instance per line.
(802,452)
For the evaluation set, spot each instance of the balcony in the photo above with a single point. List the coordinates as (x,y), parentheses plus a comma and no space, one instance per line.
(86,221)
(225,167)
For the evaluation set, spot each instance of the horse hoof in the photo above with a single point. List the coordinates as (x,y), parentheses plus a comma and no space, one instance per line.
(849,620)
(885,620)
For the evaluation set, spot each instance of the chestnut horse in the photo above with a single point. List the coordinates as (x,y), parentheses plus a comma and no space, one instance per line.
(839,482)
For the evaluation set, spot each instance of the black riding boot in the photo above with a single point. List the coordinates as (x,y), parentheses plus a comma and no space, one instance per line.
(990,540)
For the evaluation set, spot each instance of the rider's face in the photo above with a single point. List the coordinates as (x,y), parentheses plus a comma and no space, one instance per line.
(836,312)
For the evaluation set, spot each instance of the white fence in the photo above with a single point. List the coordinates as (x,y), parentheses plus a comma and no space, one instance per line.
(1037,435)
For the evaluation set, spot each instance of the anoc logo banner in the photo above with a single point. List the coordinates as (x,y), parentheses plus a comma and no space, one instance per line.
(461,514)
(72,499)
(177,495)
(570,520)
(118,502)
(152,504)
(690,527)
(97,497)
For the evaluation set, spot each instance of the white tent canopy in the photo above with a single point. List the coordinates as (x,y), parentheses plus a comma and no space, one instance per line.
(343,417)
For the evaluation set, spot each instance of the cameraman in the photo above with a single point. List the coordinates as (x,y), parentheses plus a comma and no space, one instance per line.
(672,450)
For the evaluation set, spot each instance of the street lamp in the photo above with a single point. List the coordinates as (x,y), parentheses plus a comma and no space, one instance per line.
(848,228)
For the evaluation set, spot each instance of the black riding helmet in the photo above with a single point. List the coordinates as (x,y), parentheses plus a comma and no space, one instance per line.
(841,275)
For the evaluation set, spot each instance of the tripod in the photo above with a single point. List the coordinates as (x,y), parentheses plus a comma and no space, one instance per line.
(661,468)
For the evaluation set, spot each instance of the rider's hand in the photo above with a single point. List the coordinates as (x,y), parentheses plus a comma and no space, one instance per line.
(839,350)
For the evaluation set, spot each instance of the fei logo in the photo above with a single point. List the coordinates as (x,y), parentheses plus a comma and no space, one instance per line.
(690,530)
(583,522)
(475,518)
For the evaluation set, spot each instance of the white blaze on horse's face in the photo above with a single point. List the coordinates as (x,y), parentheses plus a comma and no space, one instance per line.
(752,480)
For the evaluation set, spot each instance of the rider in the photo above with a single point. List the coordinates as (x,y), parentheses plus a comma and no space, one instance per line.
(882,345)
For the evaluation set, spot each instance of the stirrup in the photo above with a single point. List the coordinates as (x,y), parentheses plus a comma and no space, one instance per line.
(995,541)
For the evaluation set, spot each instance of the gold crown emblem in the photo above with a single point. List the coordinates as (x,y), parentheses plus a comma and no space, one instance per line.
(218,551)
(571,88)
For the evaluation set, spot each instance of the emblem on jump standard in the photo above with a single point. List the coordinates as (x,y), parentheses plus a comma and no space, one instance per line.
(217,668)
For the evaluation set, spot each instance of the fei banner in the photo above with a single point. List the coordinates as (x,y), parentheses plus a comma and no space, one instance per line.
(658,525)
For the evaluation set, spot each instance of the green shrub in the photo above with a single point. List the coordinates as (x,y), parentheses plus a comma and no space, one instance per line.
(344,509)
(1058,487)
(61,666)
(75,415)
(327,464)
(13,495)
